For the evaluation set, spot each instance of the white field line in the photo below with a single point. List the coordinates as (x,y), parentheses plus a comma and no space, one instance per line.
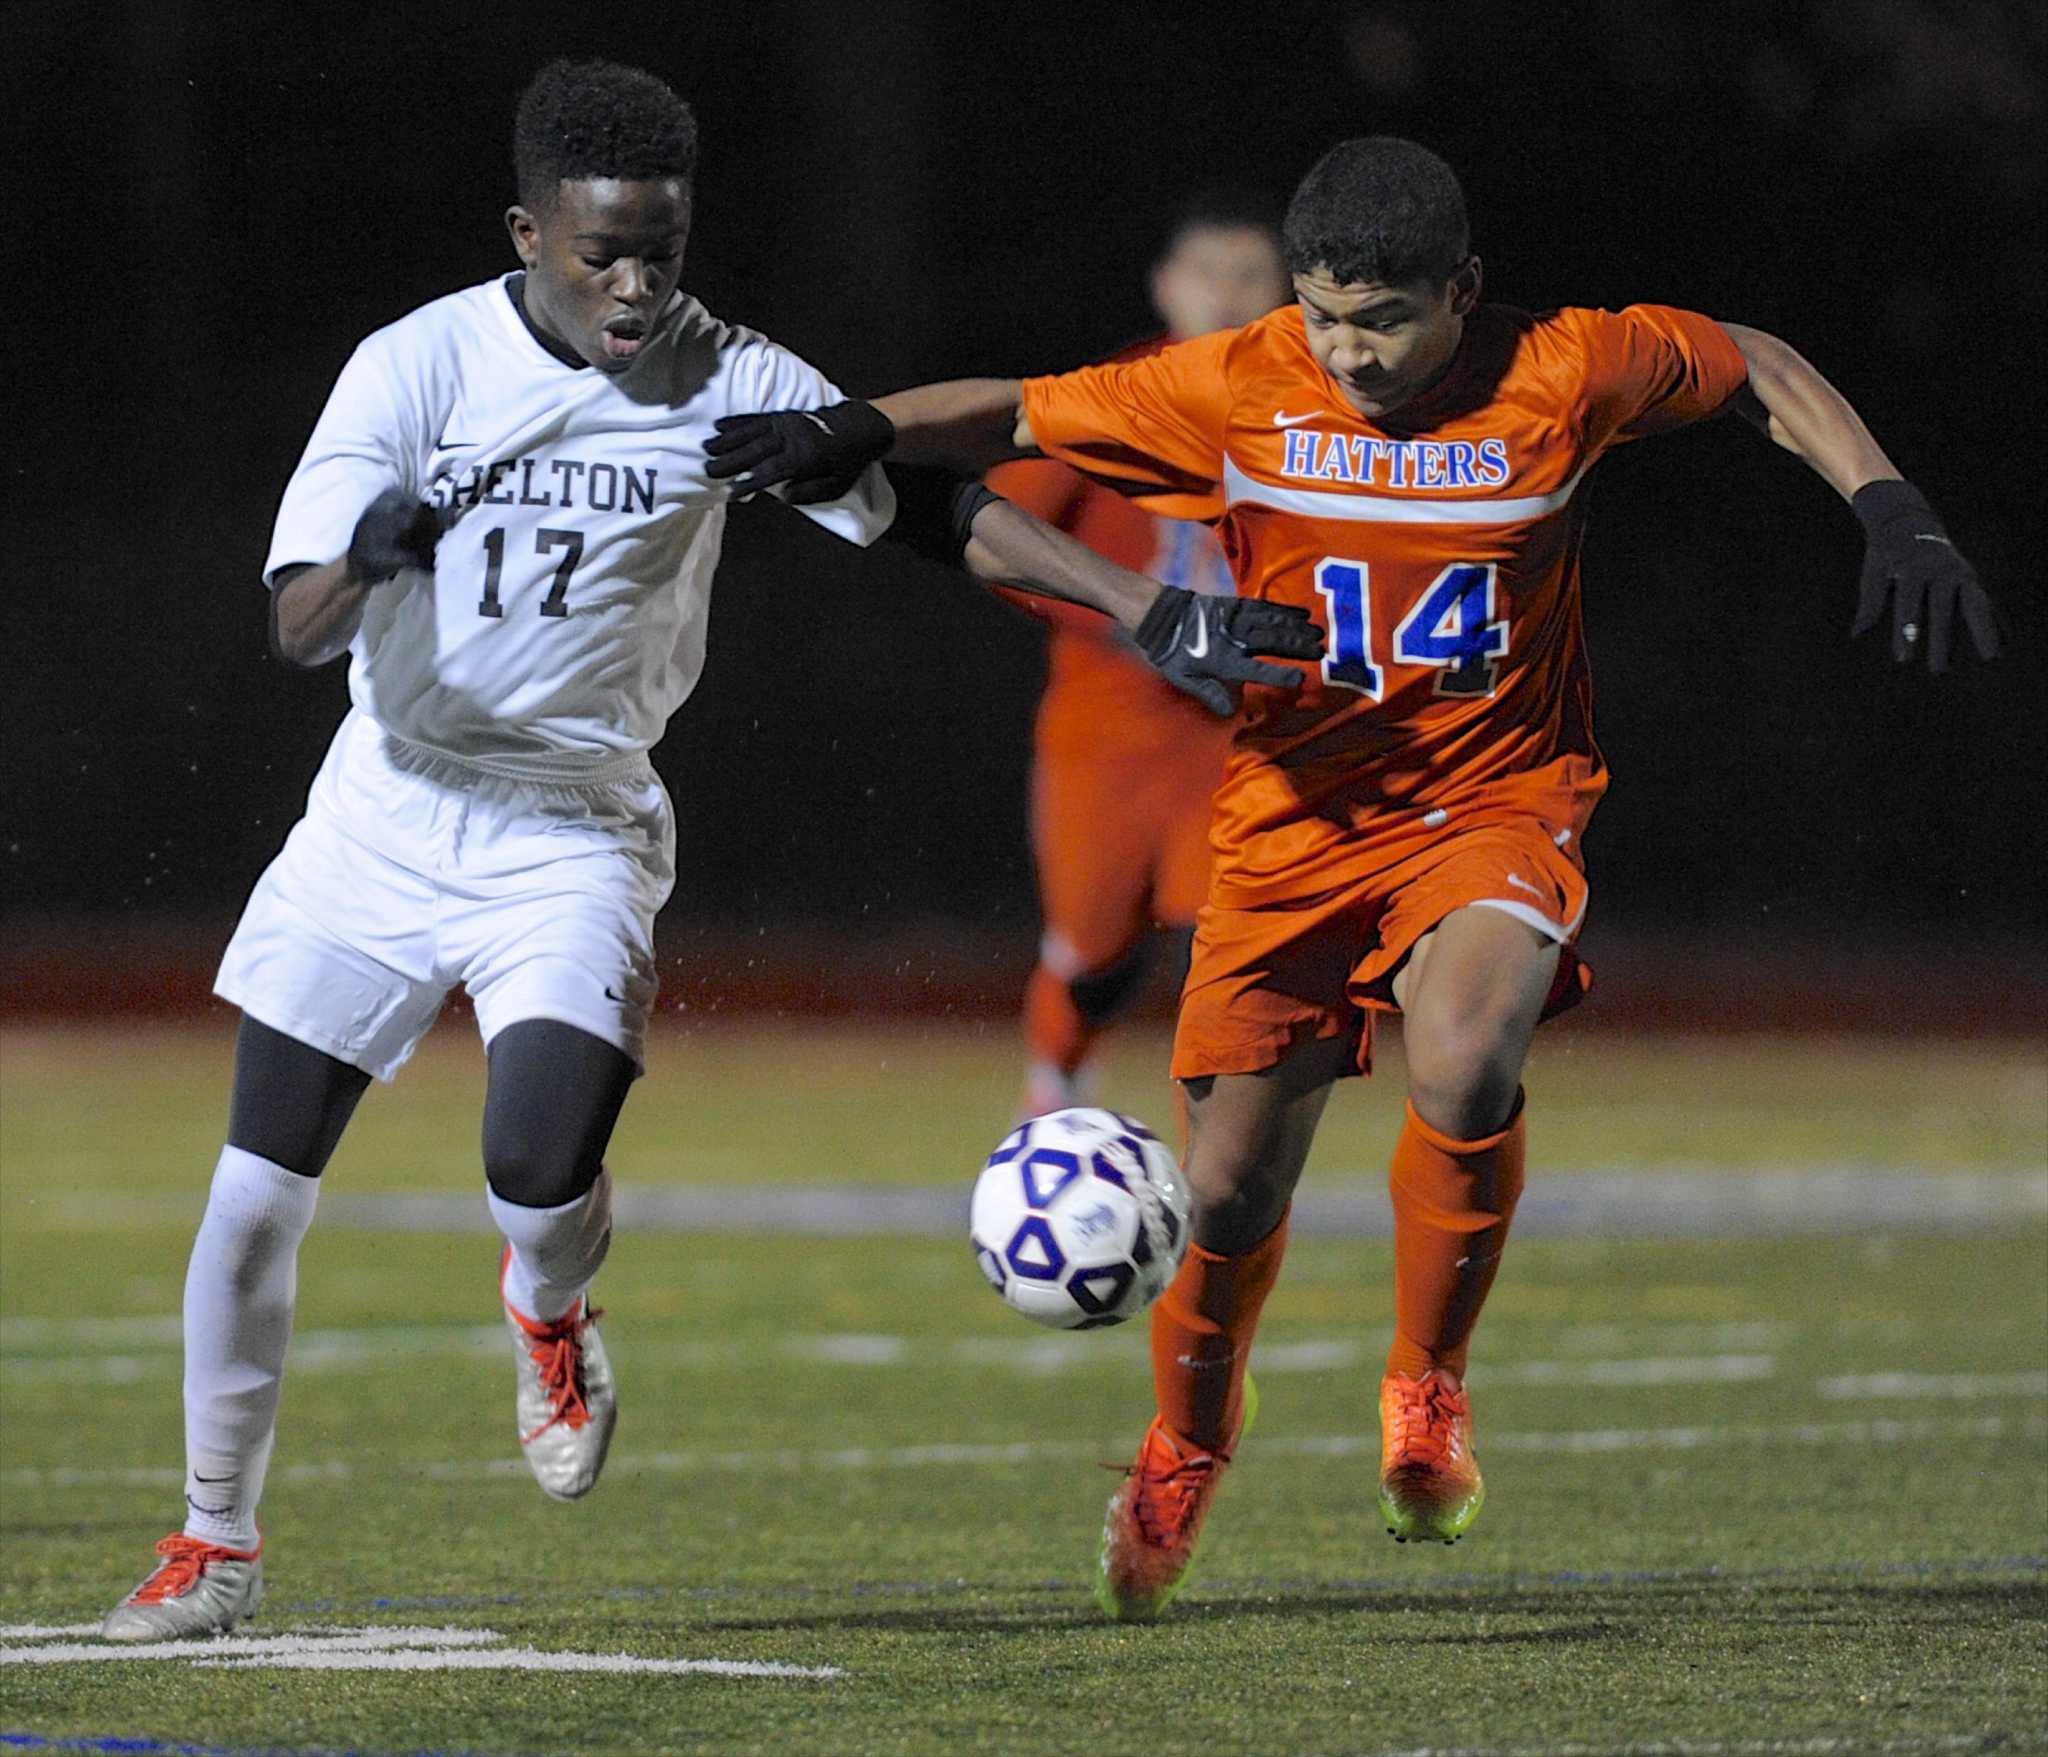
(961,1455)
(1858,1385)
(47,1354)
(373,1648)
(1646,1201)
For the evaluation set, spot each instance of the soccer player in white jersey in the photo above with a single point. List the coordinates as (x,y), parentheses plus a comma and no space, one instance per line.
(504,519)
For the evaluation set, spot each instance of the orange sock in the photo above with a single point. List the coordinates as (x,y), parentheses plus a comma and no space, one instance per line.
(1202,1336)
(1054,1031)
(1453,1201)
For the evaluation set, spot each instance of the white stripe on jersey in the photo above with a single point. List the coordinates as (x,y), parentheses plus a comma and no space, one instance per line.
(564,620)
(1386,509)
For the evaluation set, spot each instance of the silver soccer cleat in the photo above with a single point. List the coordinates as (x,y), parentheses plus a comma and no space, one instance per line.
(567,1402)
(198,1589)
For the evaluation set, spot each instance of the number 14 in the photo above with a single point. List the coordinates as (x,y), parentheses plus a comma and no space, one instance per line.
(1451,627)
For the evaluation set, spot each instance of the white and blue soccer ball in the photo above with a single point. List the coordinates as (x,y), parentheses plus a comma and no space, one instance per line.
(1080,1218)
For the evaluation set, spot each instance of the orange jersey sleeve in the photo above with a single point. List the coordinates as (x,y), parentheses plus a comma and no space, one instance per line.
(1043,488)
(1152,427)
(1651,368)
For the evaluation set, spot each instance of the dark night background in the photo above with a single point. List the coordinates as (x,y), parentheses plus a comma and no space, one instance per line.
(221,200)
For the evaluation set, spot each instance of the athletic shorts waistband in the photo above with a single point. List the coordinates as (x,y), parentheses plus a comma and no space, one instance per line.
(633,766)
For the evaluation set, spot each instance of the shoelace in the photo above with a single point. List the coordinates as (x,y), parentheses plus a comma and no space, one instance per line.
(185,1560)
(1166,1500)
(1426,1418)
(557,1351)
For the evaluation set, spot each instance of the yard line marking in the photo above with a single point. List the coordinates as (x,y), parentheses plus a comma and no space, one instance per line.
(1852,1385)
(1651,1201)
(373,1348)
(381,1647)
(1714,1369)
(948,1453)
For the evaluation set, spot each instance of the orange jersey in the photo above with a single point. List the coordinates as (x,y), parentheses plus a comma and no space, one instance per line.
(1438,551)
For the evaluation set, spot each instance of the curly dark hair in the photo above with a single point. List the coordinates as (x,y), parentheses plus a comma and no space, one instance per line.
(1379,209)
(597,119)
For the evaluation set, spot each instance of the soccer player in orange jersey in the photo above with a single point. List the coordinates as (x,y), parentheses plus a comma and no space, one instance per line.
(1407,463)
(1125,765)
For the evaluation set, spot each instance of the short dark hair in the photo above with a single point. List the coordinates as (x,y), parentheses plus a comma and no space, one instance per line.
(597,119)
(1218,210)
(1380,210)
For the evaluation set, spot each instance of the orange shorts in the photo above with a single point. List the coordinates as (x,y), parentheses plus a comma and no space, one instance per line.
(1266,979)
(1120,827)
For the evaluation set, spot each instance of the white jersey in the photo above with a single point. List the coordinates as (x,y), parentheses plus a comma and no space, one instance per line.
(564,619)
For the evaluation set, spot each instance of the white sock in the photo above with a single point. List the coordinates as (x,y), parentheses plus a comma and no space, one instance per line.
(239,1289)
(556,1252)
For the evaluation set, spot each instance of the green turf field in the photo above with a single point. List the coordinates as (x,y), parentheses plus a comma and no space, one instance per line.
(1747,1494)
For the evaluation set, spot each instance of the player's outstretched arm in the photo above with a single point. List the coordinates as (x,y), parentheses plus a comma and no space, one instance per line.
(1908,557)
(315,613)
(1204,645)
(965,425)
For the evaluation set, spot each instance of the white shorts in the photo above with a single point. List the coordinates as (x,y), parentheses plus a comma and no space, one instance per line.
(411,873)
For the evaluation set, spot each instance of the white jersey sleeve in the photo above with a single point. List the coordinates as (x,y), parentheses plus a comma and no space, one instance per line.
(767,377)
(375,433)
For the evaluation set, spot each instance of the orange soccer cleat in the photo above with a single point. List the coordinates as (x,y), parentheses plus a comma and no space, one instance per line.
(1154,1523)
(1430,1487)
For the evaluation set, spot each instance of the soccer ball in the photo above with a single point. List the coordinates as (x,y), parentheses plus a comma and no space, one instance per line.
(1080,1218)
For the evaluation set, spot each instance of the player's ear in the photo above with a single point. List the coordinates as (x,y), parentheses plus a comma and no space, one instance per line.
(525,230)
(1465,284)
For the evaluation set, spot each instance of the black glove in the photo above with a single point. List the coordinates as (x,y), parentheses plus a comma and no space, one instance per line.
(820,451)
(1203,644)
(1911,560)
(395,531)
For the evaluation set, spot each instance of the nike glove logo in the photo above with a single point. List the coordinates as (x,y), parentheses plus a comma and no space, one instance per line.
(1198,642)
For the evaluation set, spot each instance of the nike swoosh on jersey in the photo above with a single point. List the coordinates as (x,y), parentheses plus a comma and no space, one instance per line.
(1520,883)
(1280,420)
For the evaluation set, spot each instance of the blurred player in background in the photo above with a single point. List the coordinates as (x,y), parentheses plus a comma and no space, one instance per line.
(503,518)
(1404,461)
(1125,766)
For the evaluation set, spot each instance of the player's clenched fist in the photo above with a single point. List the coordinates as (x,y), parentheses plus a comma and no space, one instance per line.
(395,531)
(1911,561)
(821,451)
(1205,644)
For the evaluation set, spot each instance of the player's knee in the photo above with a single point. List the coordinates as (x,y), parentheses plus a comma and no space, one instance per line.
(537,1174)
(1241,1185)
(1463,1076)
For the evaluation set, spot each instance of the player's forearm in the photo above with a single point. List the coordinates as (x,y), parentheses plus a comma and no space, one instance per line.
(966,425)
(1805,414)
(315,613)
(1007,544)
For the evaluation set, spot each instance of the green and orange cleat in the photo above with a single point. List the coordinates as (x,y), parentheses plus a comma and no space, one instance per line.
(1430,1486)
(1154,1523)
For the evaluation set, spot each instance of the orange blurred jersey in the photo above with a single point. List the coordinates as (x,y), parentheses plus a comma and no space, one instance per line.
(1439,552)
(1097,681)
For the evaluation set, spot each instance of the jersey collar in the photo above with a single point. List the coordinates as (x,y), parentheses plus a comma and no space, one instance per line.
(515,290)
